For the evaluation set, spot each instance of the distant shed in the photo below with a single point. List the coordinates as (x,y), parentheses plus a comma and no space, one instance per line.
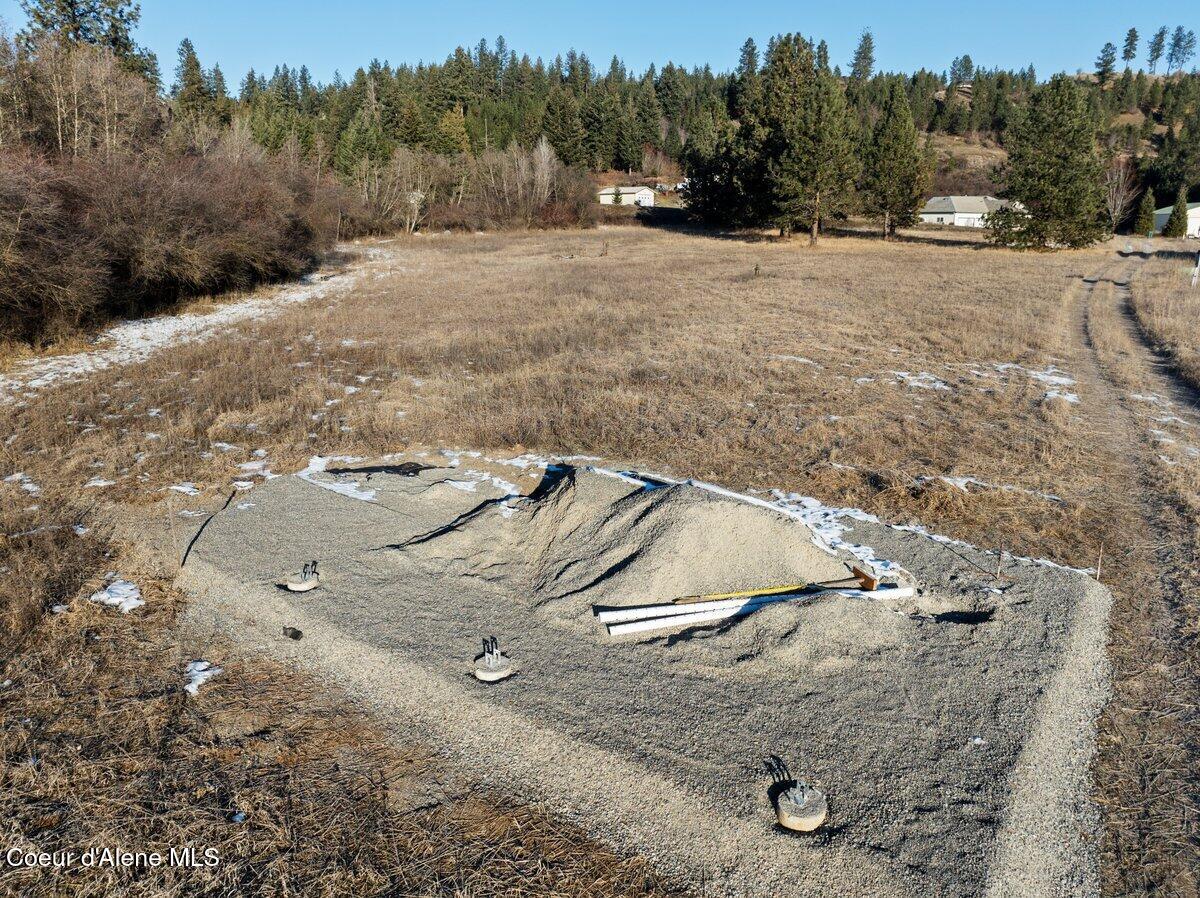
(961,211)
(630,196)
(1193,219)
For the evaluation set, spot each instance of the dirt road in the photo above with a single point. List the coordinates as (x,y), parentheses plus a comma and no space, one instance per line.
(1149,760)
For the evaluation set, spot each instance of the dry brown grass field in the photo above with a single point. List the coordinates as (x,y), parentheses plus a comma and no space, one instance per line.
(1167,308)
(859,372)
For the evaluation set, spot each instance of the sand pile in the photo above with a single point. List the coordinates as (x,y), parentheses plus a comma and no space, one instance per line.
(952,733)
(583,539)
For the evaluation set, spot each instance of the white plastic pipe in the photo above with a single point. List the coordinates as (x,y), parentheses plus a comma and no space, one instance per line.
(637,612)
(647,618)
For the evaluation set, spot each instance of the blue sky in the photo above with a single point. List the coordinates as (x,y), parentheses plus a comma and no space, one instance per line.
(329,36)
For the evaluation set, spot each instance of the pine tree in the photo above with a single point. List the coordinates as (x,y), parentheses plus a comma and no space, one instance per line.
(857,97)
(1178,159)
(1143,222)
(249,88)
(1129,52)
(834,167)
(450,136)
(1158,44)
(102,23)
(962,70)
(192,100)
(895,172)
(1054,172)
(1106,63)
(702,139)
(598,115)
(745,82)
(1176,225)
(562,126)
(649,114)
(1182,49)
(218,91)
(361,142)
(748,59)
(673,143)
(410,127)
(778,157)
(628,150)
(955,116)
(864,58)
(810,165)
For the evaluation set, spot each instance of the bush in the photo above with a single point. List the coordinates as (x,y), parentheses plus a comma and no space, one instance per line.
(52,275)
(97,237)
(105,211)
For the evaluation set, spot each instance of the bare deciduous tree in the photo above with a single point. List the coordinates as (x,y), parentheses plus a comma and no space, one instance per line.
(1120,189)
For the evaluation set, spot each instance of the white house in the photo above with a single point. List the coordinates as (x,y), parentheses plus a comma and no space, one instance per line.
(1193,219)
(960,211)
(630,196)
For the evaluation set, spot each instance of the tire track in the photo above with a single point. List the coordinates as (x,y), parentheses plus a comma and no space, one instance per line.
(1148,762)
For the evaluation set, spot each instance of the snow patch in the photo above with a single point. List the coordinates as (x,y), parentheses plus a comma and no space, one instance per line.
(922,380)
(1050,375)
(119,594)
(24,482)
(963,482)
(795,358)
(828,523)
(198,673)
(135,341)
(317,465)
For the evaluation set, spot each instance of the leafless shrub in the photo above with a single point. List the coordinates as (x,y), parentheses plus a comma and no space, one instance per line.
(88,238)
(499,189)
(400,193)
(657,164)
(52,275)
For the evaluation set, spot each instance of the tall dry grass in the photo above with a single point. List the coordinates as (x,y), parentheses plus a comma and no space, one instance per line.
(1167,309)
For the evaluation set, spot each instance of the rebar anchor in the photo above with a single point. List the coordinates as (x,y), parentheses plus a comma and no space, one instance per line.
(493,665)
(798,806)
(308,579)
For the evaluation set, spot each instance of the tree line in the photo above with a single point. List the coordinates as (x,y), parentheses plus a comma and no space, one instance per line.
(120,193)
(797,157)
(489,97)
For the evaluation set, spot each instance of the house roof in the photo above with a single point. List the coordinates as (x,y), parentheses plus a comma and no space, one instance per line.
(625,190)
(966,205)
(1166,210)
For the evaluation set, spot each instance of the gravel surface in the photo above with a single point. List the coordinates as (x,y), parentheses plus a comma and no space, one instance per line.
(952,732)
